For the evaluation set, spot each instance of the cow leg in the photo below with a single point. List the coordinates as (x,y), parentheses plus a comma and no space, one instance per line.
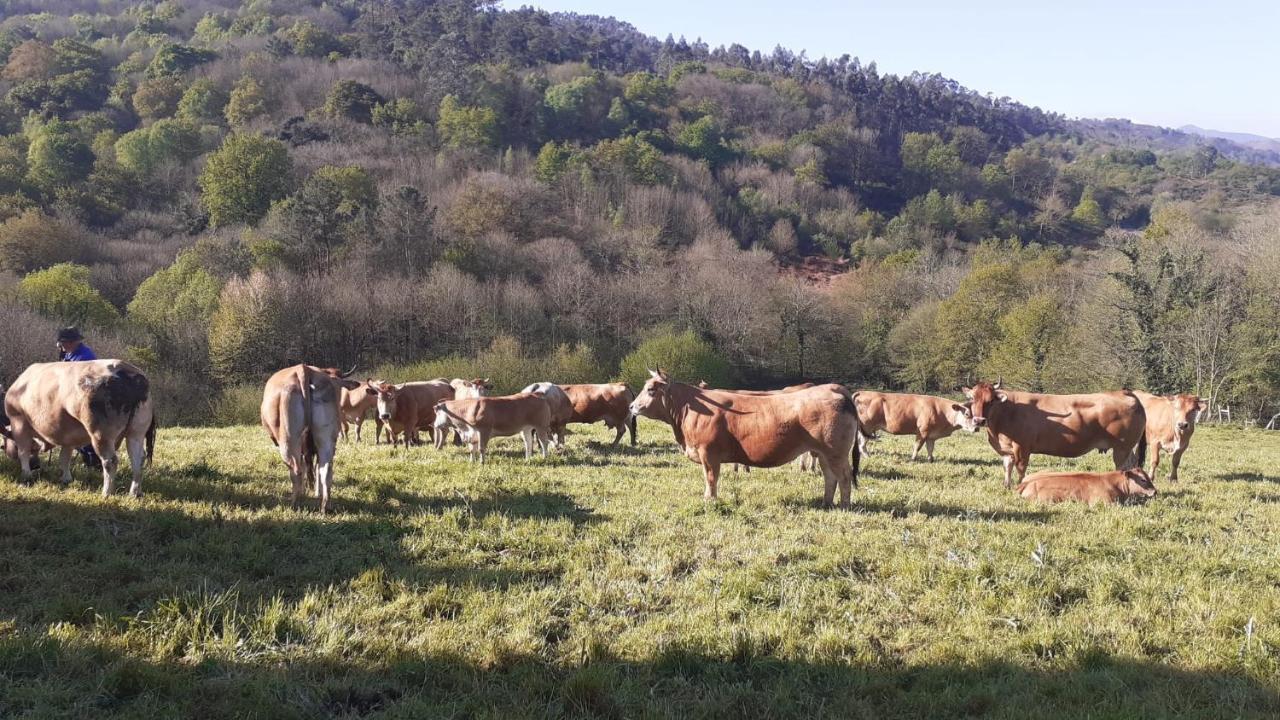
(1020,461)
(830,481)
(324,474)
(1008,470)
(527,435)
(65,461)
(864,443)
(136,456)
(545,438)
(297,477)
(622,429)
(1175,460)
(712,471)
(929,444)
(110,461)
(1155,459)
(916,452)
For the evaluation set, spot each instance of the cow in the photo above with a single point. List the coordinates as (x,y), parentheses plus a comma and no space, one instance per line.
(714,427)
(479,419)
(1019,424)
(300,413)
(408,407)
(593,403)
(926,417)
(1090,487)
(806,461)
(69,405)
(478,387)
(1170,422)
(561,408)
(355,404)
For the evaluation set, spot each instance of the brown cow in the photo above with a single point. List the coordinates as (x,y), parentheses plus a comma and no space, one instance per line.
(301,416)
(561,408)
(927,417)
(355,404)
(478,387)
(1090,487)
(1021,423)
(73,404)
(409,407)
(479,419)
(806,461)
(715,427)
(1170,422)
(593,403)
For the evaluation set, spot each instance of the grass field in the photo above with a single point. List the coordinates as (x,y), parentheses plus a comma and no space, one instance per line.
(598,583)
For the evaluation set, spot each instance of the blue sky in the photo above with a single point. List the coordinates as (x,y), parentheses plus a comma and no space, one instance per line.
(1212,64)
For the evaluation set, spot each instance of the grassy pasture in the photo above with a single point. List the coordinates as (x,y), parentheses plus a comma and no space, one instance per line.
(598,584)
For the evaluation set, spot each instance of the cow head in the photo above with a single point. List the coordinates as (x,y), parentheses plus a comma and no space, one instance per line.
(483,386)
(1138,483)
(342,379)
(652,400)
(370,387)
(1186,411)
(962,417)
(386,400)
(702,385)
(983,397)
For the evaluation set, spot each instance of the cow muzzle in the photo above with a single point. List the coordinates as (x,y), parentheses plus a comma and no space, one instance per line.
(980,422)
(384,416)
(1184,425)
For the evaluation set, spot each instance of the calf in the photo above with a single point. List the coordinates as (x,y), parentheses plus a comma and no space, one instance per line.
(355,404)
(479,419)
(1090,487)
(463,390)
(1170,422)
(926,417)
(609,402)
(69,405)
(561,408)
(409,407)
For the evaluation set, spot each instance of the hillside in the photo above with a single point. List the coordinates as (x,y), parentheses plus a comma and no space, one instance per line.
(1247,139)
(216,188)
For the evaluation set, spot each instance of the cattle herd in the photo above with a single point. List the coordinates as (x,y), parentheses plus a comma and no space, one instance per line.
(103,404)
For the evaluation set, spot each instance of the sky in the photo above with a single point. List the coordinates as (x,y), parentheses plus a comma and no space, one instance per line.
(1175,62)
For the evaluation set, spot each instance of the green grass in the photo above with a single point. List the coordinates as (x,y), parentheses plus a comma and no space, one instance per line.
(598,584)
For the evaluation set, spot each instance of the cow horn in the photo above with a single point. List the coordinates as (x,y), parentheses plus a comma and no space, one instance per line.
(350,372)
(999,382)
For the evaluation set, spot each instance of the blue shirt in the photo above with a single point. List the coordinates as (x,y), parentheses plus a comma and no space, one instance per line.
(82,352)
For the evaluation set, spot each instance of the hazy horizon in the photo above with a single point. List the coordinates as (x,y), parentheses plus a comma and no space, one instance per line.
(1168,64)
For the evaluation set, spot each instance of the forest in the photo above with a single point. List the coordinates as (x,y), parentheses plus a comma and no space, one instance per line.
(214,189)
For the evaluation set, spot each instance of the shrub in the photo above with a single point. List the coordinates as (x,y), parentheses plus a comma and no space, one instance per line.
(352,100)
(683,355)
(461,126)
(33,240)
(507,366)
(158,97)
(63,293)
(203,102)
(237,405)
(247,101)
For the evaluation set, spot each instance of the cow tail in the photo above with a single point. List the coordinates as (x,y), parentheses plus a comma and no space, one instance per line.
(151,439)
(1142,450)
(855,454)
(631,422)
(308,446)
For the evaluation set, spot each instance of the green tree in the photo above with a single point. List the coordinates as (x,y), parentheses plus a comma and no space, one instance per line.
(683,355)
(247,101)
(33,240)
(203,101)
(142,150)
(63,293)
(402,116)
(917,354)
(1088,213)
(352,100)
(632,158)
(310,40)
(460,126)
(705,140)
(1034,337)
(158,97)
(247,333)
(176,59)
(175,305)
(243,177)
(553,161)
(57,156)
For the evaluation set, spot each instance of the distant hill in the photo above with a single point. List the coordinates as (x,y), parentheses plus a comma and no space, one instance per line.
(1260,142)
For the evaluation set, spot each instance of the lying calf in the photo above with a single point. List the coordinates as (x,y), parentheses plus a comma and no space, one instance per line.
(478,419)
(1090,487)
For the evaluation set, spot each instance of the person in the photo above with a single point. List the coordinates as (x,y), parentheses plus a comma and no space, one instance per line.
(71,348)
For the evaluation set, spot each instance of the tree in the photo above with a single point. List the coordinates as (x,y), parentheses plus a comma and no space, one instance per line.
(913,345)
(33,240)
(705,140)
(247,101)
(553,161)
(203,101)
(175,305)
(142,150)
(57,156)
(682,355)
(307,39)
(1033,339)
(333,206)
(158,97)
(247,333)
(63,293)
(352,100)
(31,60)
(176,59)
(1088,213)
(243,177)
(460,126)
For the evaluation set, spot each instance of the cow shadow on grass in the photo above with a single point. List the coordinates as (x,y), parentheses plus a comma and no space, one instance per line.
(869,504)
(54,676)
(1247,477)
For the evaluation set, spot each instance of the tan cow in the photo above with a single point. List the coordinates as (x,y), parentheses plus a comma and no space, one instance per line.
(926,417)
(409,407)
(807,461)
(301,416)
(561,408)
(1090,487)
(1171,421)
(1020,423)
(354,405)
(479,419)
(609,402)
(73,404)
(478,387)
(715,427)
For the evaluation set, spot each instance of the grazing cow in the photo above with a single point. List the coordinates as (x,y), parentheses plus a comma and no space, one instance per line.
(561,408)
(1090,487)
(479,419)
(301,415)
(1021,423)
(70,405)
(408,407)
(593,403)
(926,417)
(355,404)
(715,427)
(1170,422)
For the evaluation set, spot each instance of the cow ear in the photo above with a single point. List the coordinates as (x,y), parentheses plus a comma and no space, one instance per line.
(1202,406)
(968,391)
(961,408)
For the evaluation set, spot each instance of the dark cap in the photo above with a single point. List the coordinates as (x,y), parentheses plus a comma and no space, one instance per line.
(69,334)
